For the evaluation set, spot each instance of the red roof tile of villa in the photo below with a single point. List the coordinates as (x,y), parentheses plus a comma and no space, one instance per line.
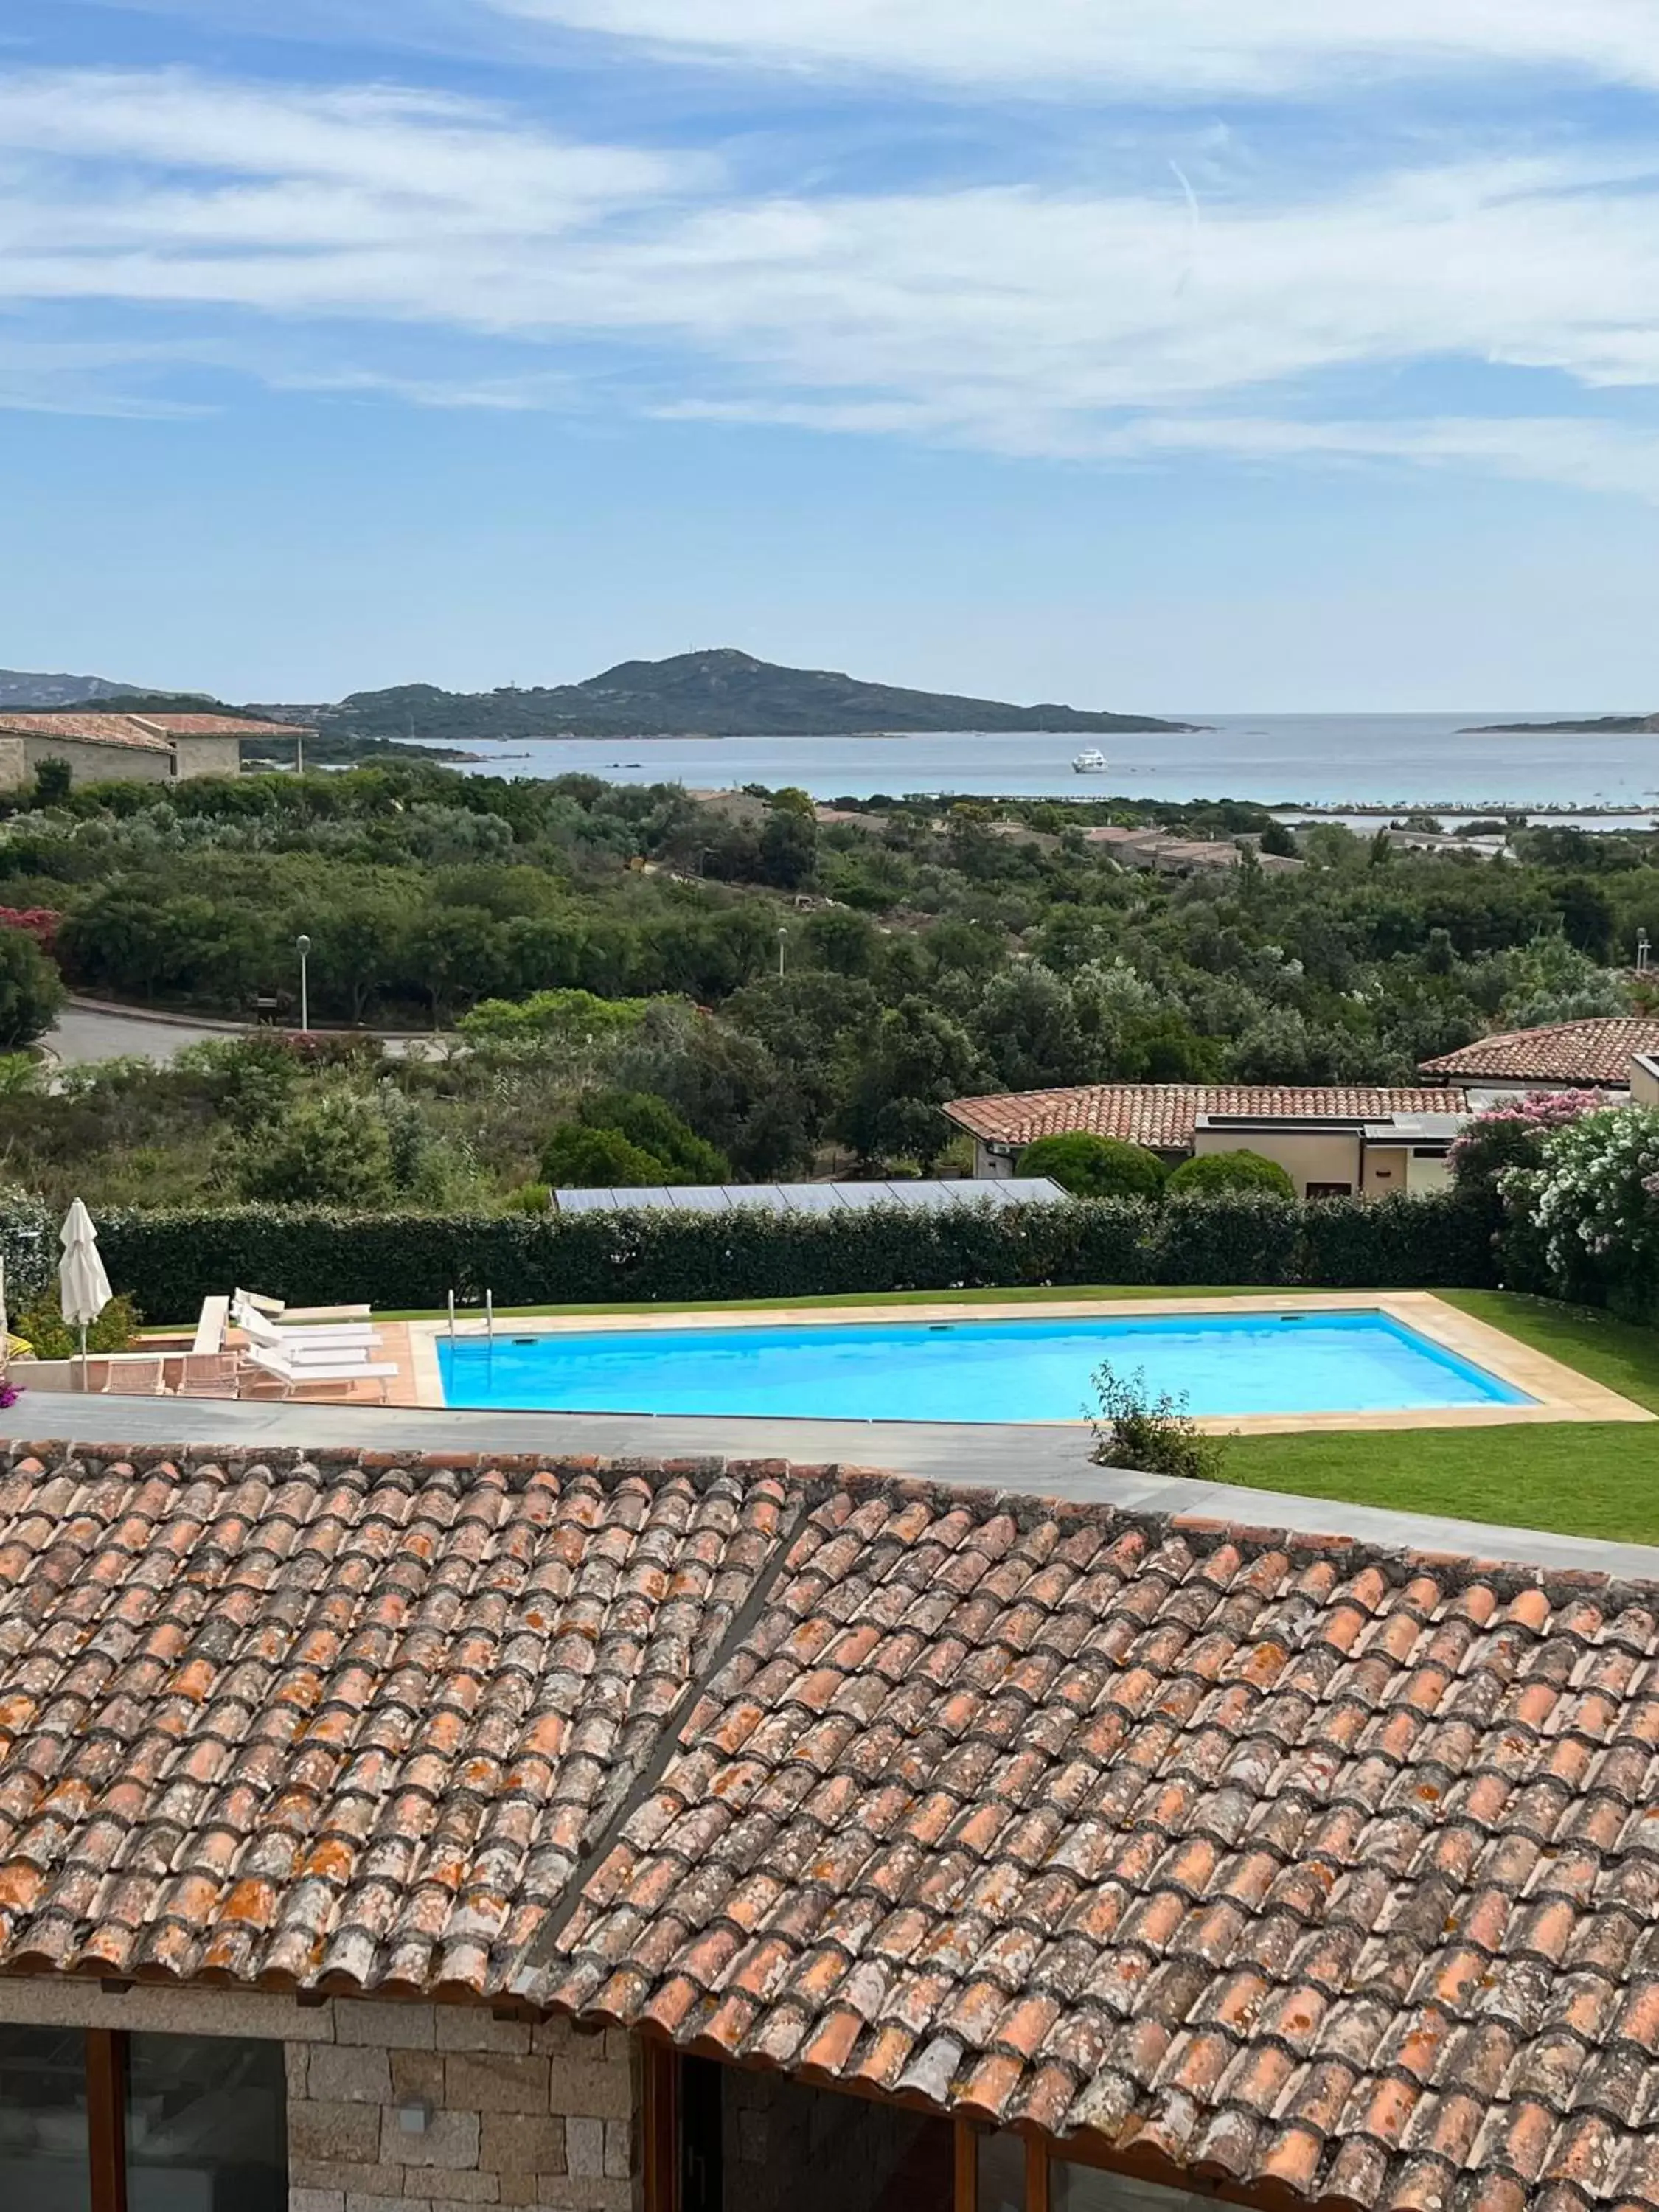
(1279,1862)
(1163,1115)
(221,725)
(91,729)
(1595,1054)
(148,733)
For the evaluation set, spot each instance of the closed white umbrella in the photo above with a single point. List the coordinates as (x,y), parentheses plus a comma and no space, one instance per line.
(83,1288)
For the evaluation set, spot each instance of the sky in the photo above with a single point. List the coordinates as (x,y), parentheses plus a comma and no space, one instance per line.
(1156,355)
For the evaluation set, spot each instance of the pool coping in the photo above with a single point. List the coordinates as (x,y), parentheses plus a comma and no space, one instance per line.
(1558,1392)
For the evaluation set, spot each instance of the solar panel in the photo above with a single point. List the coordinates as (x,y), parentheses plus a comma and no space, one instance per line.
(583,1201)
(817,1198)
(812,1197)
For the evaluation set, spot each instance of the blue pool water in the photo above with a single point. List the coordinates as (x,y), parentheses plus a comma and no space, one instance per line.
(993,1371)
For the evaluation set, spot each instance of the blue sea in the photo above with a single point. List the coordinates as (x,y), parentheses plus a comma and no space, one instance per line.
(1325,759)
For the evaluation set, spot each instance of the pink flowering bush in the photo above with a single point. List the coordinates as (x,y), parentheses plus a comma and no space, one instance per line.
(1513,1136)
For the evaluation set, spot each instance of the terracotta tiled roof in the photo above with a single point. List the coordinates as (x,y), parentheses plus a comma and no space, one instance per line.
(1590,1052)
(85,730)
(221,725)
(1290,1863)
(348,1727)
(150,733)
(1162,1115)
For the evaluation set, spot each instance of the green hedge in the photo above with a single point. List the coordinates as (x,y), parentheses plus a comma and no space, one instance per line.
(1445,1241)
(170,1261)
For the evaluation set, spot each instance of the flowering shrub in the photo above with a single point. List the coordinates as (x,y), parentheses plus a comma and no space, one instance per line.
(39,922)
(1514,1135)
(1593,1206)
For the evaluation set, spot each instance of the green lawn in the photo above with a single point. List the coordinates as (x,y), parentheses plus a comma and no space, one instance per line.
(1584,1478)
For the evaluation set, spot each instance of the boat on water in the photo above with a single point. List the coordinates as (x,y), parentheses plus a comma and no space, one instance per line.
(1090,762)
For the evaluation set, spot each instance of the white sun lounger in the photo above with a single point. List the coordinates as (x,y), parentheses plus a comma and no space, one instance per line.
(294,1374)
(341,1336)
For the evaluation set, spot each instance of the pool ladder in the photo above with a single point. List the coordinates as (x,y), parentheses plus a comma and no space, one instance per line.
(488,1317)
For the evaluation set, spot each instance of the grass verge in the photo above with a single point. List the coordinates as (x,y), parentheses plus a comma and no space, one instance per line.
(1582,1478)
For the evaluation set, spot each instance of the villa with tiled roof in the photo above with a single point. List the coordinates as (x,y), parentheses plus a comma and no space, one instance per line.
(1350,1137)
(148,748)
(437,1832)
(1586,1056)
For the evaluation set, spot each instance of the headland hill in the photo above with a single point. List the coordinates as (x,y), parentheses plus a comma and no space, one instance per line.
(1597,726)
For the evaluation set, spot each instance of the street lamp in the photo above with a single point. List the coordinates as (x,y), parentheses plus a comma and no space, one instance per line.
(783,938)
(302,946)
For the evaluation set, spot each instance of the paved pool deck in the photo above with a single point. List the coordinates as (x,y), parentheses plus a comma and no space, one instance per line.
(1047,1462)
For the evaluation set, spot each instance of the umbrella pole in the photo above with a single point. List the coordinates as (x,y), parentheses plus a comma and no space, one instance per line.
(83,1355)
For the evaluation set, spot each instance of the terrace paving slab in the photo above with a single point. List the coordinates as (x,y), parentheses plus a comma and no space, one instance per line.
(1048,1461)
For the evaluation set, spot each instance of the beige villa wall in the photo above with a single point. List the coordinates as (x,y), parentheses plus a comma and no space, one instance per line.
(1433,1173)
(14,766)
(1387,1167)
(100,763)
(1644,1085)
(208,756)
(538,2117)
(1306,1156)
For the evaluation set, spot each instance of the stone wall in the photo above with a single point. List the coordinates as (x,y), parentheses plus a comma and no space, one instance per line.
(208,756)
(536,2116)
(91,763)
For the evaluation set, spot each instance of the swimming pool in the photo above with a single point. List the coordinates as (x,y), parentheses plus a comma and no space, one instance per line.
(1225,1364)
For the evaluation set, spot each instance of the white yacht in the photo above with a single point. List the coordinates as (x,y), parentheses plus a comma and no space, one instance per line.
(1092,762)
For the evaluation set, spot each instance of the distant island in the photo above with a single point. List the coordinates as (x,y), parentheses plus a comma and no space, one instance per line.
(722,694)
(1602,726)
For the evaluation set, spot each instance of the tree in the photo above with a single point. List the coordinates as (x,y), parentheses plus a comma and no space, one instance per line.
(919,1058)
(656,1128)
(577,1158)
(845,943)
(1214,1172)
(788,848)
(330,1149)
(53,782)
(1029,1028)
(457,952)
(1095,1167)
(31,990)
(1277,839)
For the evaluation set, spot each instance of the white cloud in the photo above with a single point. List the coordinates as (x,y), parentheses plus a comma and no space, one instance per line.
(1019,320)
(1137,46)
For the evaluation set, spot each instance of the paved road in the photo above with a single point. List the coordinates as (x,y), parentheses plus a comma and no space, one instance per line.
(82,1036)
(1046,1462)
(87,1034)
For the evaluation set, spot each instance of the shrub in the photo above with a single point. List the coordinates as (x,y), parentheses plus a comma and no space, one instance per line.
(1156,1436)
(1234,1237)
(1214,1172)
(577,1158)
(1595,1205)
(333,1149)
(49,1336)
(655,1127)
(1513,1136)
(28,1246)
(1441,1240)
(1095,1167)
(31,991)
(172,1261)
